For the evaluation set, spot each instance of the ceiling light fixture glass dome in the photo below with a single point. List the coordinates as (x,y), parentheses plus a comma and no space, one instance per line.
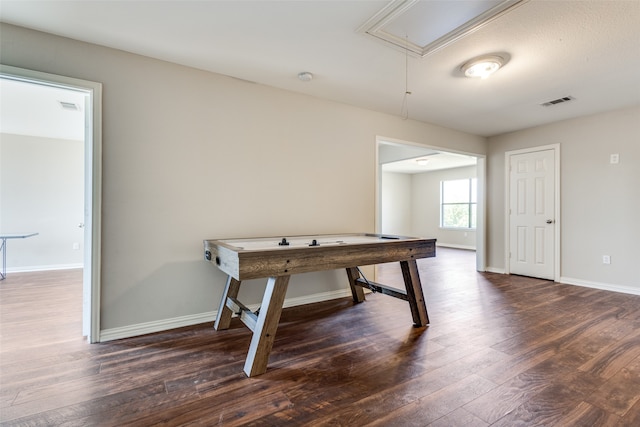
(484,66)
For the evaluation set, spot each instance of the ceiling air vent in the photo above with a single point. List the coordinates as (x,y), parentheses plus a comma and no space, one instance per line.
(69,106)
(558,101)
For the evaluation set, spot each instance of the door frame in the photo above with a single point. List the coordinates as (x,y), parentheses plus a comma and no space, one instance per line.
(556,202)
(481,176)
(92,186)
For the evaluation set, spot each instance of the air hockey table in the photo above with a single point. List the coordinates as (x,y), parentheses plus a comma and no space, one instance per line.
(277,258)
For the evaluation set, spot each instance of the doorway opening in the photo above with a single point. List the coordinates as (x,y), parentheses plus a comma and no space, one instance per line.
(83,97)
(408,193)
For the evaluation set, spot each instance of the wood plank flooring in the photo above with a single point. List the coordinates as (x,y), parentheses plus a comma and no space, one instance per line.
(500,351)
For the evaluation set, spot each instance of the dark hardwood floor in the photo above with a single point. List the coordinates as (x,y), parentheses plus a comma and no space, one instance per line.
(500,351)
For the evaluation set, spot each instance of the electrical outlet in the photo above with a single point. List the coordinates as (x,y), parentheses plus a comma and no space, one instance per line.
(76,246)
(614,159)
(606,259)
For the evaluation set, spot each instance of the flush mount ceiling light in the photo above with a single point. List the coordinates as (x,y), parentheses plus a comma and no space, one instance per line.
(485,65)
(422,162)
(305,76)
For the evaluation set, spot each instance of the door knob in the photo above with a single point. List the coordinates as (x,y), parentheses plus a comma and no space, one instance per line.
(81,225)
(549,221)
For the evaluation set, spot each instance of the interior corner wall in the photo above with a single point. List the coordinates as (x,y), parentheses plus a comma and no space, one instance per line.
(425,194)
(396,203)
(600,201)
(191,155)
(41,190)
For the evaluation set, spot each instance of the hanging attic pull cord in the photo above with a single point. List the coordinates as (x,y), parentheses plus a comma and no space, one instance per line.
(404,111)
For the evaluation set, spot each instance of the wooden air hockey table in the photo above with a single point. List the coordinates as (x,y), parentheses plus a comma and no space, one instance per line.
(277,258)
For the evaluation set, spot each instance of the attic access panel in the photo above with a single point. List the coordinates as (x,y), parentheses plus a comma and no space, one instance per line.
(423,27)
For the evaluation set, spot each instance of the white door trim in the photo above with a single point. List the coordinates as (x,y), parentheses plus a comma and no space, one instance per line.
(557,219)
(92,184)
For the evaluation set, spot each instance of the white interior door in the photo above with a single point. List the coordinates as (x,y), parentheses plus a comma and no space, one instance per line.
(532,222)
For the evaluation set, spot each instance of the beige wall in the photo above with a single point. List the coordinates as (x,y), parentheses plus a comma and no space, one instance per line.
(189,154)
(41,190)
(600,202)
(411,206)
(396,204)
(426,207)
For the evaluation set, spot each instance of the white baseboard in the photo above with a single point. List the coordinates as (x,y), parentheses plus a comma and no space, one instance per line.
(195,319)
(322,296)
(454,246)
(603,286)
(155,326)
(182,321)
(586,283)
(32,268)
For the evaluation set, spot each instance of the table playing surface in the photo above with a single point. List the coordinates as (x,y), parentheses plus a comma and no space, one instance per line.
(17,235)
(252,258)
(276,243)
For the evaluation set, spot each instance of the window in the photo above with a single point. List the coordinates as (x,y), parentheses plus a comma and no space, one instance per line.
(458,203)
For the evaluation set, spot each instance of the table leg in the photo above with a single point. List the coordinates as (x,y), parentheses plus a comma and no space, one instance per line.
(414,292)
(265,332)
(3,249)
(356,291)
(223,320)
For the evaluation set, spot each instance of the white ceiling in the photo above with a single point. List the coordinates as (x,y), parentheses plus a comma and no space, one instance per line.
(402,158)
(36,110)
(436,161)
(589,50)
